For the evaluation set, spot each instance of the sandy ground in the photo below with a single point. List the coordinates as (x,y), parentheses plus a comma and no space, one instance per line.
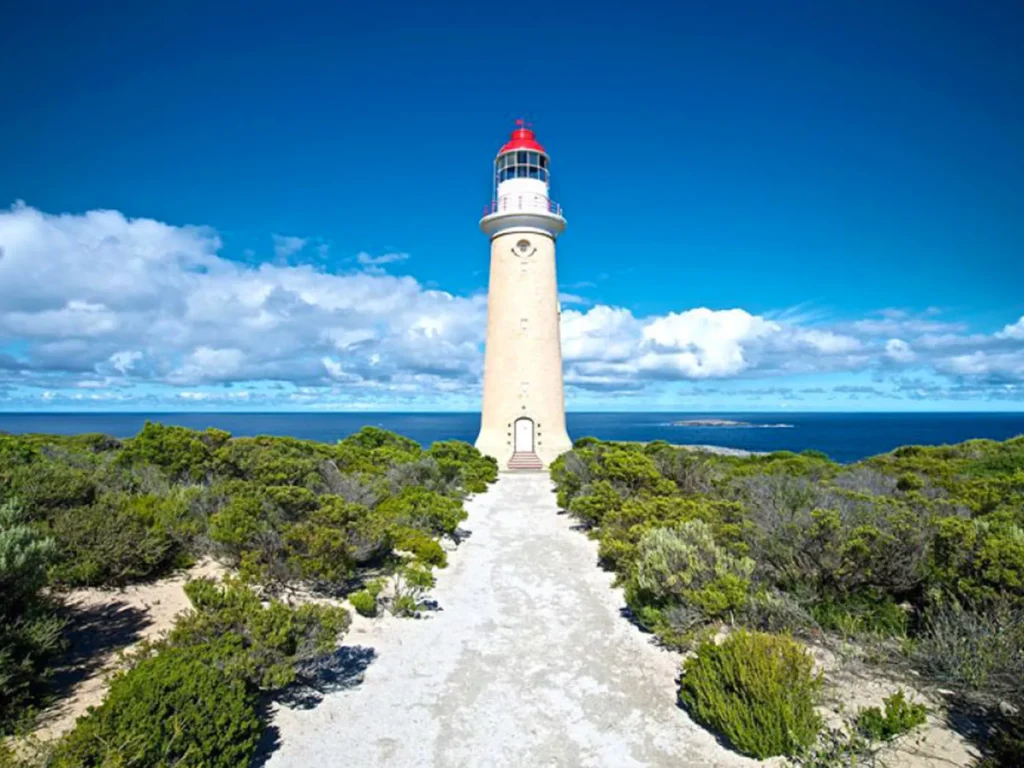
(527,662)
(852,685)
(103,623)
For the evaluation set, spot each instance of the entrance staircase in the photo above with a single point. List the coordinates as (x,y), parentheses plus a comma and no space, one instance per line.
(525,461)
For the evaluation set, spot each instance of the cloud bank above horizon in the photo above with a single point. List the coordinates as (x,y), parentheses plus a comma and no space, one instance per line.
(101,311)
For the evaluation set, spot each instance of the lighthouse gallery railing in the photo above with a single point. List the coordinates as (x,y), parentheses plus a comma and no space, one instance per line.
(522,203)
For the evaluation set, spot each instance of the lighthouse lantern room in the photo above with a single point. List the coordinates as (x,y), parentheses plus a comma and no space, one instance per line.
(523,418)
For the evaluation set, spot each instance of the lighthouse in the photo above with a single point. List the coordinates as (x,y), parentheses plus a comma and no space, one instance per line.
(523,420)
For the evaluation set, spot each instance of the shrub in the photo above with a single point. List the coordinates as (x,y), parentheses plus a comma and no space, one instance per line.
(29,629)
(909,481)
(622,528)
(979,651)
(119,540)
(861,615)
(900,716)
(421,546)
(293,501)
(685,565)
(475,470)
(319,550)
(630,471)
(594,502)
(367,600)
(980,560)
(689,470)
(373,438)
(757,690)
(177,708)
(47,485)
(265,645)
(836,748)
(180,451)
(832,540)
(425,510)
(237,525)
(773,611)
(410,584)
(364,602)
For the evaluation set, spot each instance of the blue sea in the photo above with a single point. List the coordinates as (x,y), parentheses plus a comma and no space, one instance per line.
(843,436)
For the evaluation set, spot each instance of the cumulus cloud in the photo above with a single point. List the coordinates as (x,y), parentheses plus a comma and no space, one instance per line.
(99,294)
(1013,331)
(96,305)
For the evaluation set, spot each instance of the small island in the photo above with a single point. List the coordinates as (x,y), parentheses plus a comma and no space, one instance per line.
(711,423)
(725,423)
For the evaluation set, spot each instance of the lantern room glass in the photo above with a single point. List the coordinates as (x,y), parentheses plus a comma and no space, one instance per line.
(521,165)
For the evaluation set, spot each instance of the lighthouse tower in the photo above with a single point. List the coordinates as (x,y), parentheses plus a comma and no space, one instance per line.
(523,420)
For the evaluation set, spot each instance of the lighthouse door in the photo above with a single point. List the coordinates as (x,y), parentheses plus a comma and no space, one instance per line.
(524,435)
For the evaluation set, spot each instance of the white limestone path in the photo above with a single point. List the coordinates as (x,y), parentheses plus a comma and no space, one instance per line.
(528,662)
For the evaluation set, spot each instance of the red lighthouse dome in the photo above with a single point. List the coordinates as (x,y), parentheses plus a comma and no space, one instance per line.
(522,138)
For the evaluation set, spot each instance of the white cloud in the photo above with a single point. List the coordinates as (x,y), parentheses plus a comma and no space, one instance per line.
(1012,331)
(601,333)
(385,258)
(125,360)
(101,294)
(572,298)
(287,245)
(101,302)
(899,351)
(702,343)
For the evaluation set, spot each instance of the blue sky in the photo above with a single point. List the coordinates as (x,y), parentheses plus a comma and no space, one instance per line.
(795,205)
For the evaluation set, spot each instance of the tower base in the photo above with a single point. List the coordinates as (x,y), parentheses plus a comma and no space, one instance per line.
(501,445)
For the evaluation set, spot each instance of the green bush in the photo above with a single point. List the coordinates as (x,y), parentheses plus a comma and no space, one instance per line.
(979,651)
(424,510)
(758,690)
(684,565)
(410,584)
(181,452)
(264,644)
(899,717)
(475,471)
(119,540)
(237,525)
(364,602)
(178,708)
(980,560)
(29,627)
(320,554)
(594,502)
(421,546)
(622,528)
(47,485)
(861,615)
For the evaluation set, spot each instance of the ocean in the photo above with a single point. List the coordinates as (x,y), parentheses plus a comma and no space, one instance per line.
(845,437)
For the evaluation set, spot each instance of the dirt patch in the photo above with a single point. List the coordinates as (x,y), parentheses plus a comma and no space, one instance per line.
(102,624)
(852,684)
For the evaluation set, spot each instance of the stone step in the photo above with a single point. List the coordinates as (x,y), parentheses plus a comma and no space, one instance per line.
(525,460)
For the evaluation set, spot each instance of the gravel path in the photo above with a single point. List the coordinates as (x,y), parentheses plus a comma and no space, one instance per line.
(527,663)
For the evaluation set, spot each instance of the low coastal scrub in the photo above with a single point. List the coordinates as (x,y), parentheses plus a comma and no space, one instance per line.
(758,690)
(177,708)
(286,515)
(916,555)
(896,717)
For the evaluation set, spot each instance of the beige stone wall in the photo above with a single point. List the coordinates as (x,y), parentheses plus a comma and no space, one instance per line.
(523,358)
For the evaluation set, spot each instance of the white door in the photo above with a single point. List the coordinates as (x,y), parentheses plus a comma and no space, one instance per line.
(524,435)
